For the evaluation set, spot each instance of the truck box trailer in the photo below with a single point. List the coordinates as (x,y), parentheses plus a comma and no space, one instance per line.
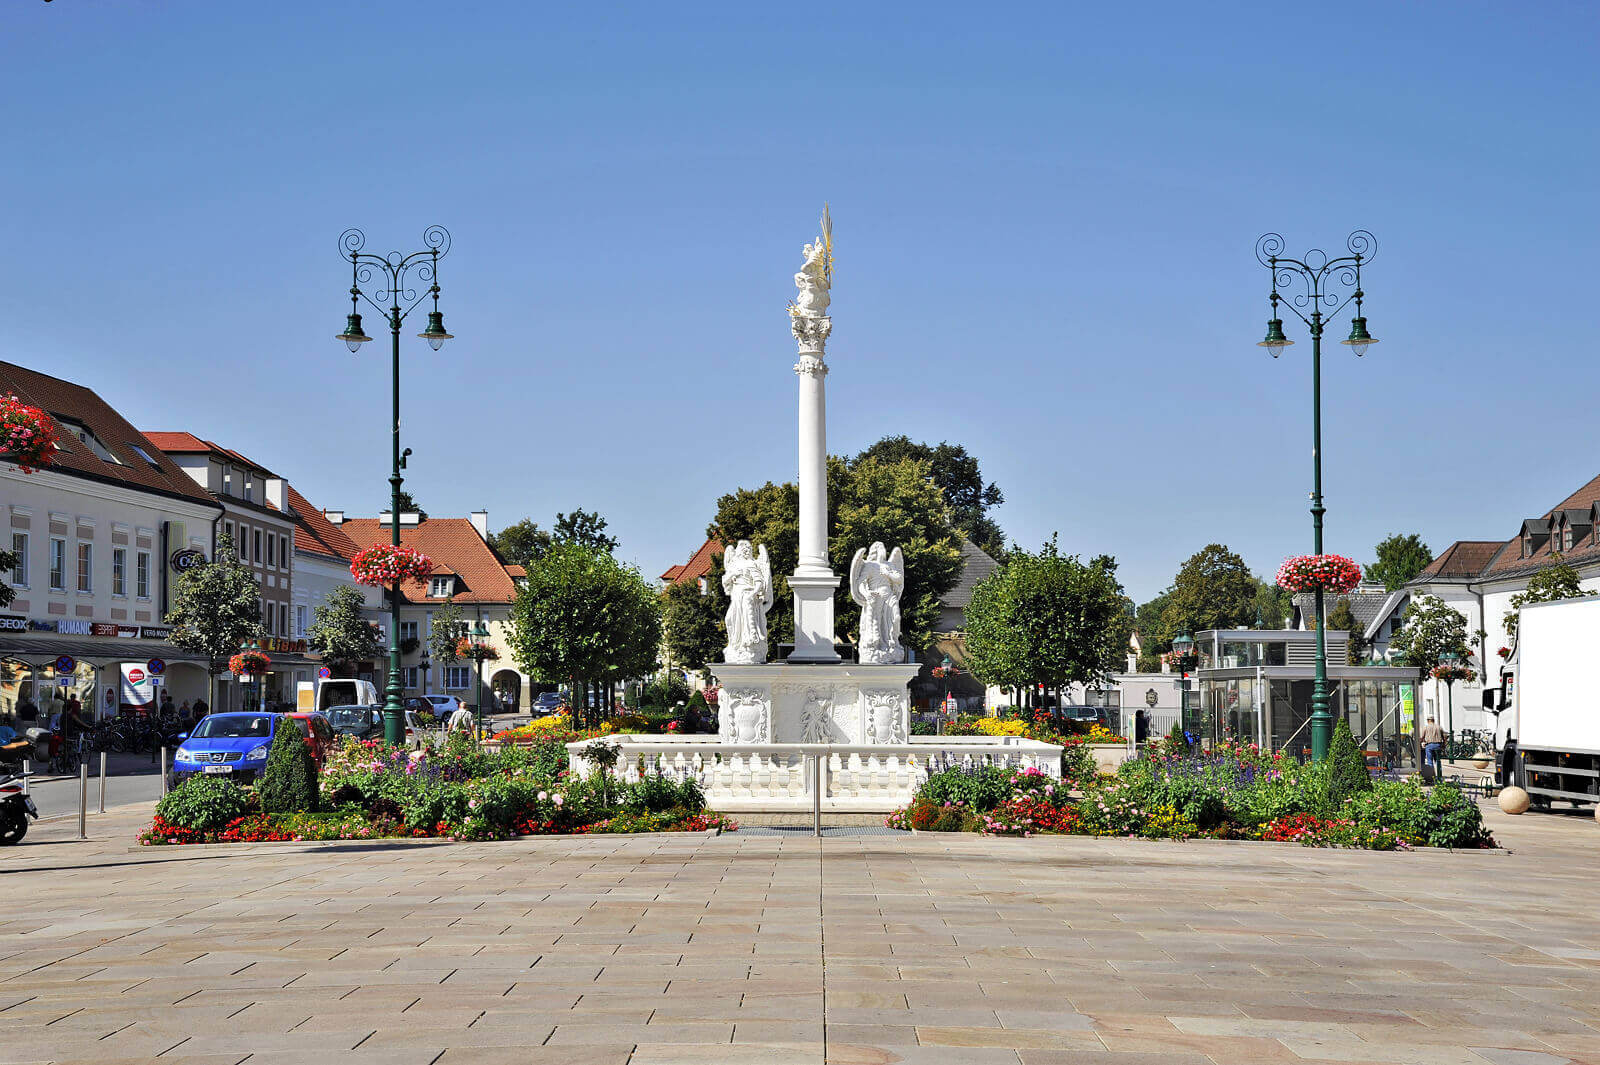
(1557,703)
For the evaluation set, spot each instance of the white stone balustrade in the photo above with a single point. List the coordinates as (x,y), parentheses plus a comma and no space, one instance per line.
(856,778)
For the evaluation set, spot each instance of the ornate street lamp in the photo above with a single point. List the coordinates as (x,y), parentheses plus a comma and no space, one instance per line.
(1183,647)
(480,638)
(393,279)
(1321,287)
(1453,660)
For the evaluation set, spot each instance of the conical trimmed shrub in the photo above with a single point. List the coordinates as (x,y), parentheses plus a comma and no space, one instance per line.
(289,783)
(1347,766)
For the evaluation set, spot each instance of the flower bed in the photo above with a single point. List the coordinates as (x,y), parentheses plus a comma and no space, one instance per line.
(1237,791)
(369,790)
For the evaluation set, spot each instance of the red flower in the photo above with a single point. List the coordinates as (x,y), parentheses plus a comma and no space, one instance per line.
(382,565)
(1308,573)
(253,663)
(28,436)
(467,647)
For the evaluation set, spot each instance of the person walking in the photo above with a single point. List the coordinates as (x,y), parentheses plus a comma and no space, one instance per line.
(1432,739)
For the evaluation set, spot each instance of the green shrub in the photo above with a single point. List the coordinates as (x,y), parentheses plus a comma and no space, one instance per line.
(1078,767)
(1176,740)
(205,804)
(1347,766)
(289,783)
(980,789)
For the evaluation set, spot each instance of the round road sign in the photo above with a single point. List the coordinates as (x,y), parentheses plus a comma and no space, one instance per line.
(323,672)
(156,667)
(66,664)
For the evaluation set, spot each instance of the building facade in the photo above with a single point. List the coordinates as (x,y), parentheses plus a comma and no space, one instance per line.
(101,536)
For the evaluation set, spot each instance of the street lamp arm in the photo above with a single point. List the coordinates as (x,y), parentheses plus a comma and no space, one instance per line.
(393,278)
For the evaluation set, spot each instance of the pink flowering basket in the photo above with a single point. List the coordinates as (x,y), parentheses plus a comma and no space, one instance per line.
(28,436)
(249,664)
(382,565)
(1310,573)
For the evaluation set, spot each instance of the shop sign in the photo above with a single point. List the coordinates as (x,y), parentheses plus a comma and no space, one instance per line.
(111,628)
(154,632)
(13,623)
(41,625)
(74,628)
(283,646)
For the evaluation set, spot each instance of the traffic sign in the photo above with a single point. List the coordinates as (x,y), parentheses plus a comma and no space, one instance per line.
(323,672)
(66,664)
(156,667)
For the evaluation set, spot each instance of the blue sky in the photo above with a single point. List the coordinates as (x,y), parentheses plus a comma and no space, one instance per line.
(1045,218)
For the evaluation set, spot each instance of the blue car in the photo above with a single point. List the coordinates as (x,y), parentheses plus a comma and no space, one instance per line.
(231,745)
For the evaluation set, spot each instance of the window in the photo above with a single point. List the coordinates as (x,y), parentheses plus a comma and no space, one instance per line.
(441,587)
(457,678)
(283,619)
(272,553)
(141,575)
(85,567)
(243,543)
(142,453)
(299,621)
(255,547)
(119,571)
(250,494)
(411,674)
(283,552)
(58,565)
(270,607)
(408,631)
(86,436)
(1566,538)
(227,527)
(19,547)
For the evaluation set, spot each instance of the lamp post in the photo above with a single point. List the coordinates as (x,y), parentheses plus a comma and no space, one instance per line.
(1322,286)
(1183,645)
(480,637)
(393,279)
(1452,659)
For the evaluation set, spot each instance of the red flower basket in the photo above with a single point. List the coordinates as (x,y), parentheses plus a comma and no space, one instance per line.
(382,565)
(249,664)
(28,436)
(1452,671)
(467,647)
(1309,573)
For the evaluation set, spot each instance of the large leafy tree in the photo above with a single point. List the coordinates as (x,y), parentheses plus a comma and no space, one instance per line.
(340,633)
(524,542)
(1400,558)
(583,617)
(693,632)
(448,627)
(1430,628)
(957,474)
(1047,619)
(216,607)
(1213,590)
(1556,581)
(1343,618)
(868,500)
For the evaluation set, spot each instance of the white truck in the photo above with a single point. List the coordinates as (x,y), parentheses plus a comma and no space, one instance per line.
(336,691)
(1557,705)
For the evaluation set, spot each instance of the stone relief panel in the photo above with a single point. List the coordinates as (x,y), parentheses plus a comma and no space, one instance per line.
(885,715)
(748,718)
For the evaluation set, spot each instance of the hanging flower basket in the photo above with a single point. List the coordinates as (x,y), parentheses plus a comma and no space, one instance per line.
(249,664)
(28,436)
(382,565)
(1452,671)
(1309,573)
(1181,662)
(467,647)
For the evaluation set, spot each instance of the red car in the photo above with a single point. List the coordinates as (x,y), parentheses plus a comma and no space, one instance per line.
(318,732)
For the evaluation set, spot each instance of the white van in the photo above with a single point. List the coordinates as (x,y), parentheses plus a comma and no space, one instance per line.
(345,691)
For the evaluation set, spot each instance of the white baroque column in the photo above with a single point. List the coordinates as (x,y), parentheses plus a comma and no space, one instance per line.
(813,581)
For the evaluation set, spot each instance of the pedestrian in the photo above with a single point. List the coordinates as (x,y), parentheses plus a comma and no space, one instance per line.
(1141,726)
(166,704)
(1432,739)
(200,708)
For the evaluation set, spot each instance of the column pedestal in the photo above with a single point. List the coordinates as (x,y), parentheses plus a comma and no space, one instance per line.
(813,617)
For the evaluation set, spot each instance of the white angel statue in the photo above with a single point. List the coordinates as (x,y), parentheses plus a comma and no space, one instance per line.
(747,578)
(877,578)
(816,276)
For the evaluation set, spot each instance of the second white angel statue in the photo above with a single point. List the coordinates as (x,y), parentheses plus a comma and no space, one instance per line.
(747,578)
(877,578)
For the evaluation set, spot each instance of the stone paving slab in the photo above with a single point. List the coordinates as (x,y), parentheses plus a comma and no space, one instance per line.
(849,950)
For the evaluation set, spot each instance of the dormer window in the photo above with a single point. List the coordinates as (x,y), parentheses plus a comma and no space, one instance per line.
(87,438)
(227,480)
(441,587)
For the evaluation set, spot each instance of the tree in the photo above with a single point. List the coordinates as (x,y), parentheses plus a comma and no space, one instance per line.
(1342,617)
(1347,767)
(1272,606)
(957,474)
(447,629)
(8,563)
(583,617)
(1047,619)
(409,506)
(1430,628)
(1400,558)
(216,607)
(693,630)
(1213,590)
(870,500)
(583,527)
(289,782)
(521,543)
(340,633)
(1556,581)
(1147,623)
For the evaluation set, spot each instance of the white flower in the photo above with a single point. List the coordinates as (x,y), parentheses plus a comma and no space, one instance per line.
(557,799)
(543,796)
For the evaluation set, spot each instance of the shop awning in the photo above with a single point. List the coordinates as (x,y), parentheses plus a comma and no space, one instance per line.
(43,650)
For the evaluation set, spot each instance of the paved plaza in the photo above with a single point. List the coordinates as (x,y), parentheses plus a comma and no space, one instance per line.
(857,950)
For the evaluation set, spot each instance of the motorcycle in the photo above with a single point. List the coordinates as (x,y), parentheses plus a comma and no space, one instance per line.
(16,805)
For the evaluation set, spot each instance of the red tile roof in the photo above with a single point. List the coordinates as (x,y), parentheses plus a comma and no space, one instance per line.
(63,399)
(699,564)
(455,547)
(1501,559)
(1462,559)
(314,532)
(189,444)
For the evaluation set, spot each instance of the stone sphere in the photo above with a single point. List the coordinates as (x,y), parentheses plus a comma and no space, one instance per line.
(1514,800)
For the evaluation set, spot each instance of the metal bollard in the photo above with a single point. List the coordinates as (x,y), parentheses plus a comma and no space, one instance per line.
(816,795)
(102,782)
(163,770)
(83,800)
(27,767)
